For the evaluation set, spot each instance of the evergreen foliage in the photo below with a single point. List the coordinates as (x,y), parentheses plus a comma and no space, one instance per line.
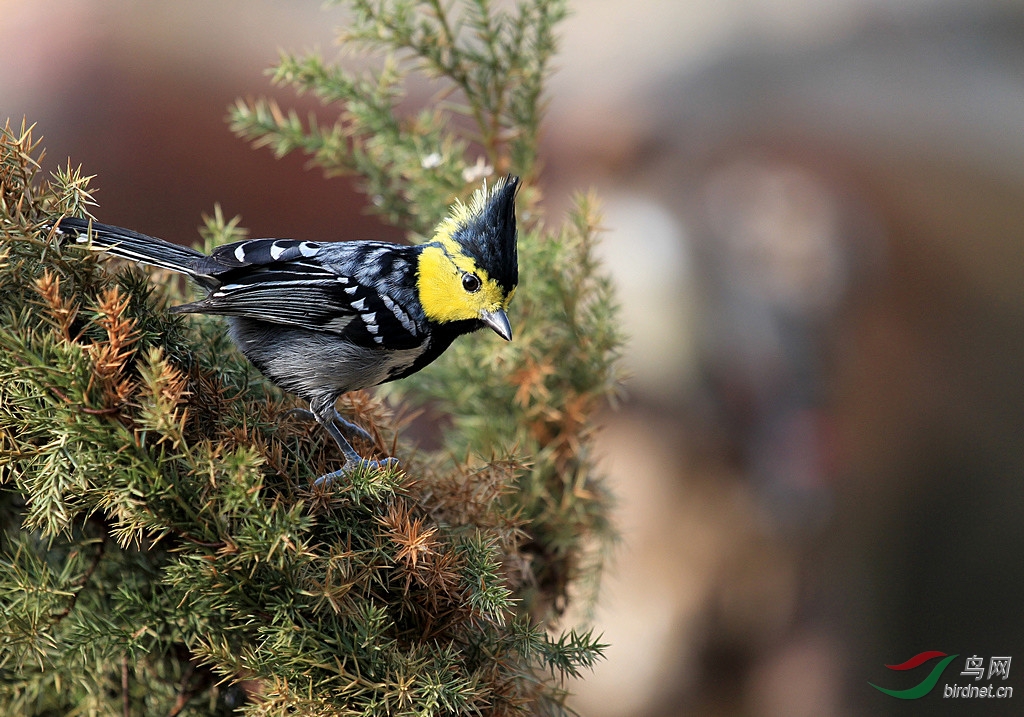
(162,547)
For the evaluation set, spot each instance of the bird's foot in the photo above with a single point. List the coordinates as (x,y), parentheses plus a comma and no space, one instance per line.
(354,463)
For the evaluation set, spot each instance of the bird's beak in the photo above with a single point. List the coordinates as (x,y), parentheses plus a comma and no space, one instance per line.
(498,321)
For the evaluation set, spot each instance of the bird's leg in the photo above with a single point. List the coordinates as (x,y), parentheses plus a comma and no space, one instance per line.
(326,416)
(351,429)
(347,427)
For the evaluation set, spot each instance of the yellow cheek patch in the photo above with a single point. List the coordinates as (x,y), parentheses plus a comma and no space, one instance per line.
(439,281)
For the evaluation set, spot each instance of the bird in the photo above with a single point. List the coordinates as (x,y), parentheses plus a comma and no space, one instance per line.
(320,319)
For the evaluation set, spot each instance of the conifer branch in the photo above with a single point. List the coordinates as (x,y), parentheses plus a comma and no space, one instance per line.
(226,581)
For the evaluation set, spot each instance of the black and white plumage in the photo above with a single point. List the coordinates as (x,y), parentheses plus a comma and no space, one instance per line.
(320,319)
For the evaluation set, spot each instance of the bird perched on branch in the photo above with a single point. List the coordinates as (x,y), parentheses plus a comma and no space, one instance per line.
(320,319)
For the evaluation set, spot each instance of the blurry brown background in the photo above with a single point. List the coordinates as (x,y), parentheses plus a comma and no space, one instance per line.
(815,216)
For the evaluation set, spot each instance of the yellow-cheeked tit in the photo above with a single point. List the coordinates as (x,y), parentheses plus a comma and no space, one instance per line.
(320,319)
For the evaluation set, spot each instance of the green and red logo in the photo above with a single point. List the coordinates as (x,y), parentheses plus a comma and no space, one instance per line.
(924,686)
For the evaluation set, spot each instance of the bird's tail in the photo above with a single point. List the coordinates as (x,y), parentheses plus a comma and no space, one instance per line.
(127,244)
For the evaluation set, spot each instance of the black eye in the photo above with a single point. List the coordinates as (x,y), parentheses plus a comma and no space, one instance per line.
(471,283)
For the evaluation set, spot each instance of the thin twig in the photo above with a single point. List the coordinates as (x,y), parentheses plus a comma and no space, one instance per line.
(184,693)
(85,409)
(196,541)
(125,701)
(81,582)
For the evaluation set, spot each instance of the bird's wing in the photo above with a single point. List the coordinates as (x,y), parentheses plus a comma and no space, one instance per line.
(285,282)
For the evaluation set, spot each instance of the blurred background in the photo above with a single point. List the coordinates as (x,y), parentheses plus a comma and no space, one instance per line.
(815,216)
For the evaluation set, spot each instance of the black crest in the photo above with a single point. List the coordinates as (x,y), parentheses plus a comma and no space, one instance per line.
(488,233)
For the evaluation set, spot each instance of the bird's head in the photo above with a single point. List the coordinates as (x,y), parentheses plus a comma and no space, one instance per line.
(469,270)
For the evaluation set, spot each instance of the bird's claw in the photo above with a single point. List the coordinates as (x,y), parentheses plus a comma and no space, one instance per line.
(353,465)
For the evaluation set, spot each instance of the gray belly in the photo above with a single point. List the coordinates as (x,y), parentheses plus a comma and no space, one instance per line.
(316,365)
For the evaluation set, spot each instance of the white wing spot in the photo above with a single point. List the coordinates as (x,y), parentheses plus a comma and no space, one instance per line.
(379,339)
(276,250)
(359,305)
(240,253)
(369,319)
(399,313)
(224,290)
(342,279)
(351,289)
(308,248)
